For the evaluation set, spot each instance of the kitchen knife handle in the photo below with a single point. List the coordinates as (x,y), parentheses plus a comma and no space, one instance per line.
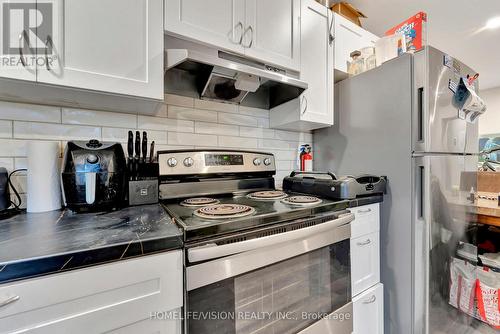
(137,144)
(130,144)
(151,152)
(144,146)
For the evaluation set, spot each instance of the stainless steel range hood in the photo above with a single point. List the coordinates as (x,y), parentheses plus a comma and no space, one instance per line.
(203,72)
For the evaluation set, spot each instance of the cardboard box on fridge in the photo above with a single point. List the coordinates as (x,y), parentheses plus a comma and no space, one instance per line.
(414,29)
(348,11)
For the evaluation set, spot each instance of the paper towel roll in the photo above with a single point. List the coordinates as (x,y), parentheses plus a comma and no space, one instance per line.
(44,180)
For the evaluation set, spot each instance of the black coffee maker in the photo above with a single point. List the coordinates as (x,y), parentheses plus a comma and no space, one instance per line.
(94,175)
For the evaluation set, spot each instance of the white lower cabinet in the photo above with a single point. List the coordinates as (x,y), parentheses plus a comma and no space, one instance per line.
(368,311)
(119,297)
(365,262)
(367,291)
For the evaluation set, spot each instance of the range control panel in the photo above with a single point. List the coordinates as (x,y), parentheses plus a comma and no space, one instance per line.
(214,162)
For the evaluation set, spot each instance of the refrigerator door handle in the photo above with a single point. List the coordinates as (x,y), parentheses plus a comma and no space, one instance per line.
(420,110)
(420,244)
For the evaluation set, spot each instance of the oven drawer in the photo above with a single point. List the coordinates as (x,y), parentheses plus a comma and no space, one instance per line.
(367,220)
(368,311)
(365,262)
(117,297)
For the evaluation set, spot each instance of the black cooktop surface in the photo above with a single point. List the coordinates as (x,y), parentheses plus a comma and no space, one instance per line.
(266,212)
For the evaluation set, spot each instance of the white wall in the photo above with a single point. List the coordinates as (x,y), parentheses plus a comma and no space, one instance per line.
(489,123)
(182,123)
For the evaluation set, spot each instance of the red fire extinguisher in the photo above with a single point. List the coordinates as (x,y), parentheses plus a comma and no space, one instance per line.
(306,159)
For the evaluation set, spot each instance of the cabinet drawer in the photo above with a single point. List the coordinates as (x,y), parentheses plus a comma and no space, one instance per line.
(368,311)
(365,262)
(367,220)
(95,300)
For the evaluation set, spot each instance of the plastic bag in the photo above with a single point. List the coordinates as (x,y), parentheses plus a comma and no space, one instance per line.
(487,292)
(463,286)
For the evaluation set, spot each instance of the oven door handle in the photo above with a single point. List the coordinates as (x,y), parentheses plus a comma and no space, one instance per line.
(212,251)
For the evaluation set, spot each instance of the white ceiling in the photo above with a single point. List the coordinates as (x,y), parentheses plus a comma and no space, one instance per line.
(453,26)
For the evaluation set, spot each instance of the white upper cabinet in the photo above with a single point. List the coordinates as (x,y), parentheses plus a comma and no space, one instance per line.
(267,31)
(314,108)
(16,40)
(214,22)
(317,64)
(272,32)
(349,37)
(114,46)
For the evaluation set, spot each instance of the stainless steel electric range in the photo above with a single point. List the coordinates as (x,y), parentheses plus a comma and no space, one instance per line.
(257,259)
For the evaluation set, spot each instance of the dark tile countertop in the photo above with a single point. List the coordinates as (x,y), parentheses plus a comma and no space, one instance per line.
(37,244)
(43,243)
(366,200)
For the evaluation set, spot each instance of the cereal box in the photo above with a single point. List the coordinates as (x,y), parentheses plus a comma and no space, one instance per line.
(414,30)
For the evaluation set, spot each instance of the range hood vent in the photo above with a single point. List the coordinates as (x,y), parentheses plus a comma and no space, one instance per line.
(202,72)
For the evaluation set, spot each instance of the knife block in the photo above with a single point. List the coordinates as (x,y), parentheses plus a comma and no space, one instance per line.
(143,186)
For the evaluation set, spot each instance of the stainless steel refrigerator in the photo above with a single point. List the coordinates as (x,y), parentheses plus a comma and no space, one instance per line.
(400,120)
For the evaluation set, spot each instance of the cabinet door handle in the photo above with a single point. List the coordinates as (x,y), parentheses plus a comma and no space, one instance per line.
(23,36)
(249,28)
(9,300)
(365,210)
(364,243)
(47,42)
(240,26)
(372,299)
(304,102)
(331,37)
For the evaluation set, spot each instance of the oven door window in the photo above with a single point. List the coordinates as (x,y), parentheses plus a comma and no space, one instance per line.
(284,297)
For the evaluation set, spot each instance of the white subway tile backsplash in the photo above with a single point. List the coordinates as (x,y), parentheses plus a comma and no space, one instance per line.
(246,131)
(7,163)
(160,111)
(165,124)
(216,129)
(31,130)
(237,119)
(263,122)
(254,112)
(5,129)
(178,100)
(210,105)
(121,135)
(98,118)
(29,112)
(20,163)
(179,138)
(19,181)
(163,147)
(284,165)
(192,114)
(235,142)
(272,143)
(13,147)
(180,123)
(285,154)
(302,137)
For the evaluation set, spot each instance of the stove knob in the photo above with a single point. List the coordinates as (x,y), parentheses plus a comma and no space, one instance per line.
(257,162)
(188,162)
(267,161)
(172,162)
